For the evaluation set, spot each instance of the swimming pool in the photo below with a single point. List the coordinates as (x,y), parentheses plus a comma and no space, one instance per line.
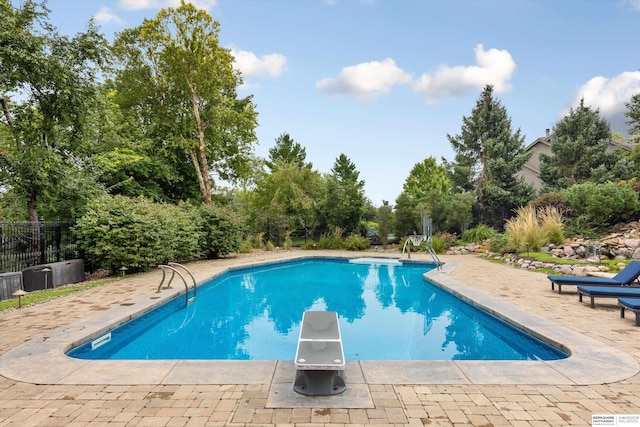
(387,311)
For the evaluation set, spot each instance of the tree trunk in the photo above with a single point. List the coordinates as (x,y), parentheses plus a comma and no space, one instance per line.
(32,208)
(201,181)
(201,158)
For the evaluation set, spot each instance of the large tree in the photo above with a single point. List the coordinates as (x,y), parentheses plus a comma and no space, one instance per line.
(579,152)
(488,157)
(180,83)
(47,91)
(346,203)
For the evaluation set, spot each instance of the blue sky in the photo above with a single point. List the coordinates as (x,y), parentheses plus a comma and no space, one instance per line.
(385,81)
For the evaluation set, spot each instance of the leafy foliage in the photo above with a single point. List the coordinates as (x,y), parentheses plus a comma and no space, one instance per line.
(479,234)
(47,91)
(355,242)
(602,205)
(285,199)
(407,217)
(180,84)
(426,177)
(459,211)
(118,231)
(221,229)
(442,241)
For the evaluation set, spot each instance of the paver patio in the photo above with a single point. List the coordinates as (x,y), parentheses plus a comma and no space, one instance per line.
(532,399)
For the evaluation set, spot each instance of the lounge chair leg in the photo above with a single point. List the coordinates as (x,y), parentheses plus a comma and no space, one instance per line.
(637,319)
(580,296)
(622,312)
(593,303)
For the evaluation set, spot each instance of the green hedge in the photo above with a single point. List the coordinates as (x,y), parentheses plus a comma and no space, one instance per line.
(221,230)
(137,233)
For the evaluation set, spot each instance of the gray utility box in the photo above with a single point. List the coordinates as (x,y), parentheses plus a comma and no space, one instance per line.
(319,357)
(9,283)
(61,273)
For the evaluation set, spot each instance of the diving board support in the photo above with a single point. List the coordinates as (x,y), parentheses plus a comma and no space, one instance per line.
(319,358)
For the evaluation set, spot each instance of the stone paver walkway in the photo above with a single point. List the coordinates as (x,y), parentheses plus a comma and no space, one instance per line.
(537,404)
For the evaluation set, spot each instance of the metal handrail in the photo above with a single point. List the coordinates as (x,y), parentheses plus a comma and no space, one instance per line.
(174,271)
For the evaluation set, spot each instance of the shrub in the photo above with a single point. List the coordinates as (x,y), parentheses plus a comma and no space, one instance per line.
(221,230)
(478,234)
(137,233)
(603,205)
(270,246)
(555,200)
(356,243)
(500,244)
(440,242)
(310,244)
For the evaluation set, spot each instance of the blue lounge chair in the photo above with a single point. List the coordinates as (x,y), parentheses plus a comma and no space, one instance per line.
(624,278)
(631,304)
(608,292)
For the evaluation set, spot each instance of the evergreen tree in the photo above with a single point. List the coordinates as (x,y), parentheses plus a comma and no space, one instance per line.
(633,113)
(488,157)
(346,202)
(287,150)
(579,152)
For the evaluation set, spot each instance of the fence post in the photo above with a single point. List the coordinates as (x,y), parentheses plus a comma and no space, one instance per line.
(43,255)
(58,233)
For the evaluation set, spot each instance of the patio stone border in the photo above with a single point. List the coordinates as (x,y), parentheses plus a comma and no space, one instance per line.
(43,361)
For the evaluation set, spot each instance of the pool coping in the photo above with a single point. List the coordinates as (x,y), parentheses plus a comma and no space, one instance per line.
(42,360)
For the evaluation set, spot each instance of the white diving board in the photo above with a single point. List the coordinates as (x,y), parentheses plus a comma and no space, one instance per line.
(319,357)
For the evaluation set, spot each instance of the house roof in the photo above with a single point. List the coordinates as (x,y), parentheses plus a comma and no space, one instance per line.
(546,140)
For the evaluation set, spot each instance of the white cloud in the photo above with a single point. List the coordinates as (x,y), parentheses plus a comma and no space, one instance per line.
(158,4)
(493,67)
(137,4)
(105,16)
(633,3)
(609,96)
(271,65)
(365,80)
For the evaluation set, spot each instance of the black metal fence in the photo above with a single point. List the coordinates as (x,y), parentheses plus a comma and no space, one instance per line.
(25,244)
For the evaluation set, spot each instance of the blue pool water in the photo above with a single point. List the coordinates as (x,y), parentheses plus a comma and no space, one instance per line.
(386,312)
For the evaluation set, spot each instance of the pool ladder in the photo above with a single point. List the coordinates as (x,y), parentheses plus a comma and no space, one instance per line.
(174,268)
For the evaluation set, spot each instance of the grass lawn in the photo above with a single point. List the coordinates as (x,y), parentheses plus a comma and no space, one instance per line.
(43,295)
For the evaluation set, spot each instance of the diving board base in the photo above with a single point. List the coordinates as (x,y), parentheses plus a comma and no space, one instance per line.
(319,382)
